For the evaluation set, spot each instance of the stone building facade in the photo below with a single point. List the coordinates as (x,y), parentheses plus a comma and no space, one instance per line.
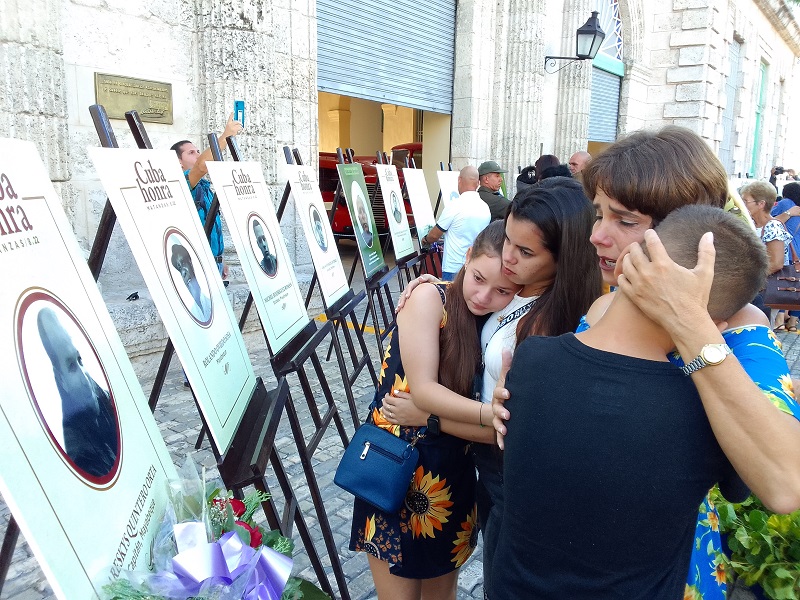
(725,68)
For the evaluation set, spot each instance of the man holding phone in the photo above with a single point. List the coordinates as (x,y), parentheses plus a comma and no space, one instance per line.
(193,163)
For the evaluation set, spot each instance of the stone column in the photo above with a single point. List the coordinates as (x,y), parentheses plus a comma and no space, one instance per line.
(516,137)
(265,53)
(33,102)
(574,87)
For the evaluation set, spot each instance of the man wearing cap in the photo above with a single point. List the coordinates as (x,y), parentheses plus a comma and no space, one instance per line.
(489,191)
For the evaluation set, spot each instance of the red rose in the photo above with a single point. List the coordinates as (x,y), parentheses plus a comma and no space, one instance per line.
(255,534)
(238,507)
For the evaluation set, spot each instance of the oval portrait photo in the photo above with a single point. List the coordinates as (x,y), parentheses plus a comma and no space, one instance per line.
(262,245)
(68,388)
(317,229)
(188,279)
(395,204)
(362,214)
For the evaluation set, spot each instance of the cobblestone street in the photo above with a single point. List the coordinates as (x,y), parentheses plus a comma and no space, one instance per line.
(180,425)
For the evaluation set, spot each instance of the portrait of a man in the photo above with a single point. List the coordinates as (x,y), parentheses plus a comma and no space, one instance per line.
(395,203)
(90,433)
(317,229)
(181,261)
(364,229)
(268,262)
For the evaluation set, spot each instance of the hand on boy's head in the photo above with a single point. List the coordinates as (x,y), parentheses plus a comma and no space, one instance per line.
(500,413)
(665,291)
(410,286)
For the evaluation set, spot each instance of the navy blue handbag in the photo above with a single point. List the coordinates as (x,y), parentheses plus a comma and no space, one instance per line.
(377,467)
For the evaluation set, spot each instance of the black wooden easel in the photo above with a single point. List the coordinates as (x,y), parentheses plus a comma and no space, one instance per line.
(251,440)
(245,461)
(409,265)
(341,314)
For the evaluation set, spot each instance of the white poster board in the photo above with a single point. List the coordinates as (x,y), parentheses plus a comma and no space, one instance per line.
(420,201)
(324,253)
(156,211)
(250,216)
(395,211)
(448,183)
(83,466)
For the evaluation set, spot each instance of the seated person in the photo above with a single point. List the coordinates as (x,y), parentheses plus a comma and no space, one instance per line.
(602,477)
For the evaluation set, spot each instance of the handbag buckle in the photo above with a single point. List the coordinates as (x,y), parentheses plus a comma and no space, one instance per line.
(788,278)
(366,449)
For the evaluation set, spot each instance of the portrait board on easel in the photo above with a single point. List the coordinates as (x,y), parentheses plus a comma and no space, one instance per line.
(448,183)
(364,229)
(324,254)
(84,466)
(395,211)
(245,201)
(156,211)
(420,201)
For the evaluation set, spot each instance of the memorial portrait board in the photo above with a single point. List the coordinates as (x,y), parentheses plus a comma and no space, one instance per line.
(83,466)
(250,216)
(317,229)
(364,229)
(448,183)
(395,211)
(156,211)
(420,201)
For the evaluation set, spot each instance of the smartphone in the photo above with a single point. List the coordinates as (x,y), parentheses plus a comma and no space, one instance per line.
(238,111)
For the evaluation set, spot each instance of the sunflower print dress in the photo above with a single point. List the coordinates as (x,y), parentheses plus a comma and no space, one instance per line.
(760,354)
(435,531)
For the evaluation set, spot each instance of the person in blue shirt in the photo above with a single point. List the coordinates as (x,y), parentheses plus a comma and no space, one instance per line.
(193,163)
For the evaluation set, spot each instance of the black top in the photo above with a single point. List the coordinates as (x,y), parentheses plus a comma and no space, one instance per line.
(607,459)
(497,203)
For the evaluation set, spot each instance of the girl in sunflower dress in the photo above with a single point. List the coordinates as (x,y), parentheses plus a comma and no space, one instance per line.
(417,552)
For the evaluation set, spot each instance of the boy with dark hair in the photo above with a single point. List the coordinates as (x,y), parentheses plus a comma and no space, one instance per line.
(612,450)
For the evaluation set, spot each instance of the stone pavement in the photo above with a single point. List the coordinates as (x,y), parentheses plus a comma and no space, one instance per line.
(179,423)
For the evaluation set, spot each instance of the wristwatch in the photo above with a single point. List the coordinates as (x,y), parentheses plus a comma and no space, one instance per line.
(710,354)
(433,425)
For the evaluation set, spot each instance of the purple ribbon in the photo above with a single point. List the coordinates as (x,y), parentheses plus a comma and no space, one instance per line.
(220,563)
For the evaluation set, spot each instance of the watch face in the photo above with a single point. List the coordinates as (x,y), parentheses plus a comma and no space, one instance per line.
(713,355)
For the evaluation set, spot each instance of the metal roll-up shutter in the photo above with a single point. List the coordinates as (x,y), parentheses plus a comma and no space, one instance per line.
(398,53)
(604,109)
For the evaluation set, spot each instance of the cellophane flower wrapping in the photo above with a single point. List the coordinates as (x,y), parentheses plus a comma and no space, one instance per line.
(209,547)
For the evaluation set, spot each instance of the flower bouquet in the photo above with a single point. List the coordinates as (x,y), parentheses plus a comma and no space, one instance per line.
(210,547)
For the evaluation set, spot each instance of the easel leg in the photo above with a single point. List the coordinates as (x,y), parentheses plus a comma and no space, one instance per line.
(7,552)
(326,392)
(316,497)
(348,385)
(302,528)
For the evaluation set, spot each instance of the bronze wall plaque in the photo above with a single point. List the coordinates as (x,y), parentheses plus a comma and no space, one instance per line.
(118,94)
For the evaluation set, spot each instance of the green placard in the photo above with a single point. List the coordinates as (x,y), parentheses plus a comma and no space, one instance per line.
(364,229)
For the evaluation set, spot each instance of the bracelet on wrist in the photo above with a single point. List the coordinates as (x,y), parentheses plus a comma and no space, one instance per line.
(480,416)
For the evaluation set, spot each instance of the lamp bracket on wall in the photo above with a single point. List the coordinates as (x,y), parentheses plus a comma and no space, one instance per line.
(550,62)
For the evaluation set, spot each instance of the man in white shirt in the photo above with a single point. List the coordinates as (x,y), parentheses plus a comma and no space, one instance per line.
(462,219)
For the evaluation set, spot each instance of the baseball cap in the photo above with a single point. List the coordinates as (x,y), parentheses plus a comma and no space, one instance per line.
(490,166)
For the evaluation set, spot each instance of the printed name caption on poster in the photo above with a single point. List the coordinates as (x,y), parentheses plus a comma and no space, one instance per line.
(207,360)
(134,531)
(282,292)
